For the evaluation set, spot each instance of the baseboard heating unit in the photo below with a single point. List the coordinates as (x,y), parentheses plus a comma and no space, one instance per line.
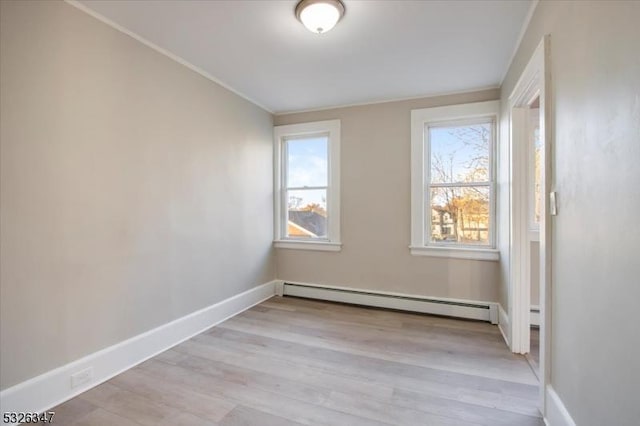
(484,311)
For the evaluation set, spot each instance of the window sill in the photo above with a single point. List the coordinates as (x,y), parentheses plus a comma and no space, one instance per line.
(307,245)
(457,253)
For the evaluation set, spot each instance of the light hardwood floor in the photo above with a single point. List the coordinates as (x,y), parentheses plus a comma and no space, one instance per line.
(534,350)
(293,361)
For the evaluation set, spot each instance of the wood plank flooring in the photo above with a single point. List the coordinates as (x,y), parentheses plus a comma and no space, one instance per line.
(293,361)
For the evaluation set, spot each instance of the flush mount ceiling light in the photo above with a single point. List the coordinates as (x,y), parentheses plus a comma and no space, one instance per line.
(319,16)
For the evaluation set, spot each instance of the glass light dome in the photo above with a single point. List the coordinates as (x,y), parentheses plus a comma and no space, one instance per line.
(319,16)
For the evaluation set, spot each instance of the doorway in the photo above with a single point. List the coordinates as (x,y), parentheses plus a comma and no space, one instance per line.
(530,209)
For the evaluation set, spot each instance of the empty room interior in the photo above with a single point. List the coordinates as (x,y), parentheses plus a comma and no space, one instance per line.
(319,212)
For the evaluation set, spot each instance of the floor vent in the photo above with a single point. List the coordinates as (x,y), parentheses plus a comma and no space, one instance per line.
(484,311)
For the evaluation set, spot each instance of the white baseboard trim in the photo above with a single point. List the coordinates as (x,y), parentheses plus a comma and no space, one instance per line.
(557,414)
(471,309)
(279,288)
(503,325)
(47,390)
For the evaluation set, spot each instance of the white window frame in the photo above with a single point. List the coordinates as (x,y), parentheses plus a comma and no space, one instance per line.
(420,185)
(281,134)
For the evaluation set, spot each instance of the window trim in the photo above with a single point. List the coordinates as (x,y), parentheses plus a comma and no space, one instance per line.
(281,135)
(420,119)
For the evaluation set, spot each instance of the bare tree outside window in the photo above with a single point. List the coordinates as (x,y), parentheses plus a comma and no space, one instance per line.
(460,183)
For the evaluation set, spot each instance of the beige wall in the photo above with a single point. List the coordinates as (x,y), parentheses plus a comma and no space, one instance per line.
(133,190)
(375,203)
(595,65)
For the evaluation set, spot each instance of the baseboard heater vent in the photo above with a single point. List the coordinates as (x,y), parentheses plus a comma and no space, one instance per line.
(484,311)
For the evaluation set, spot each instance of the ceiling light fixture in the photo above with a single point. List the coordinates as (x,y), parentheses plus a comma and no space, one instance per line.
(319,16)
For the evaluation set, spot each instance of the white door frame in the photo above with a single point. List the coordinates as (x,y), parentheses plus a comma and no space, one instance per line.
(534,81)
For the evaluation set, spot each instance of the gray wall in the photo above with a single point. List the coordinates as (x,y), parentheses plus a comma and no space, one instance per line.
(596,238)
(375,203)
(134,191)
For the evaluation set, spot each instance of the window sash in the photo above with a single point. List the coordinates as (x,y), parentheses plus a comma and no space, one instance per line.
(458,123)
(428,185)
(427,222)
(284,207)
(284,160)
(285,215)
(458,184)
(304,188)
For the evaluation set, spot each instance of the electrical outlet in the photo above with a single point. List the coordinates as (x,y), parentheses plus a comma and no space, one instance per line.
(81,377)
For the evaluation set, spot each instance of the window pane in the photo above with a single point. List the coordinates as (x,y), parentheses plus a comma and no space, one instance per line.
(459,215)
(460,153)
(307,163)
(307,213)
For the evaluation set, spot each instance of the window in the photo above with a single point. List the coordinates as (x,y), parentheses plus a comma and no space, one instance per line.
(307,186)
(453,181)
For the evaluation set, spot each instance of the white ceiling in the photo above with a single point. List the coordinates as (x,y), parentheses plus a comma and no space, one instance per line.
(381,50)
